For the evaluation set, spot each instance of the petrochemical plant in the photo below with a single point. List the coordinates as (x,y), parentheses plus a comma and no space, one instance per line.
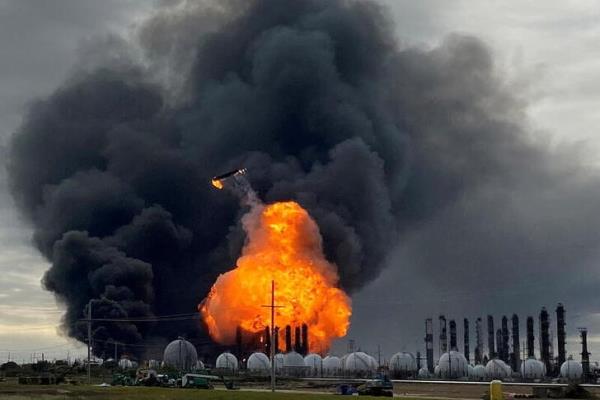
(505,359)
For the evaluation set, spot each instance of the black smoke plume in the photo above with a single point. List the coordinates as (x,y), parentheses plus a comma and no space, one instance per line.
(314,98)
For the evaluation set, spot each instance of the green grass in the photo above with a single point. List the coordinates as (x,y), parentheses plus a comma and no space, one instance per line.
(10,391)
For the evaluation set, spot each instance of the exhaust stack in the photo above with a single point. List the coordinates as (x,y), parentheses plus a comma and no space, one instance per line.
(516,354)
(443,335)
(304,346)
(530,338)
(288,338)
(585,355)
(505,345)
(499,349)
(545,339)
(491,345)
(478,342)
(560,333)
(297,342)
(453,345)
(429,344)
(466,340)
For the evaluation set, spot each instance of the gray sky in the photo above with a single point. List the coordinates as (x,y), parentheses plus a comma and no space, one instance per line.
(546,50)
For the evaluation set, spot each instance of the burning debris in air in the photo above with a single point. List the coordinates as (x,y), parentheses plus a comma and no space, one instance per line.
(218,180)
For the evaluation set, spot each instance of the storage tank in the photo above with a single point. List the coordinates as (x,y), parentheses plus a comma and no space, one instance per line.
(374,363)
(497,369)
(571,370)
(360,362)
(423,373)
(403,364)
(532,369)
(343,360)
(477,373)
(180,354)
(332,365)
(293,359)
(278,361)
(315,364)
(453,365)
(227,361)
(259,362)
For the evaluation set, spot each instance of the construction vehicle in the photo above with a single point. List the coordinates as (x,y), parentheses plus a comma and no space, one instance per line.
(380,386)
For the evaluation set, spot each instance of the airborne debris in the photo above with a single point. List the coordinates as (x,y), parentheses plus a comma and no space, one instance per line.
(217,181)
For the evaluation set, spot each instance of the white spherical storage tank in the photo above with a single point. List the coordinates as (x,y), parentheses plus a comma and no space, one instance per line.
(453,365)
(571,370)
(532,369)
(259,362)
(278,361)
(423,373)
(477,373)
(360,362)
(497,369)
(293,360)
(315,363)
(404,363)
(199,366)
(180,354)
(374,363)
(343,360)
(436,371)
(332,365)
(227,361)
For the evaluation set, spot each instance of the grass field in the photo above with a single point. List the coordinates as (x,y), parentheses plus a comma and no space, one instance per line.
(13,391)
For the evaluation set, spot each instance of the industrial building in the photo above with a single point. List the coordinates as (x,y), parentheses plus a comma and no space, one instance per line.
(503,358)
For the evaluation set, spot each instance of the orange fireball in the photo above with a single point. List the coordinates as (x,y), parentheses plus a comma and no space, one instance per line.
(284,244)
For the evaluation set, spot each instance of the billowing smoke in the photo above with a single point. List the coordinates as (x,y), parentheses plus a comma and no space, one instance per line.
(319,103)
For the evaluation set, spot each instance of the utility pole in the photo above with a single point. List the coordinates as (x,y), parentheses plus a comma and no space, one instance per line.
(273,307)
(272,333)
(89,343)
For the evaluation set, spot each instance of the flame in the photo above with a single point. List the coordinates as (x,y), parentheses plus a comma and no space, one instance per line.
(284,244)
(217,183)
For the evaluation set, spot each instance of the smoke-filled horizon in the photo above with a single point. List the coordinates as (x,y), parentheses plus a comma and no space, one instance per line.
(415,162)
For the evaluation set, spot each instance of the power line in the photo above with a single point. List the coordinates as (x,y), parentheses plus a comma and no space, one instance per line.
(157,318)
(37,349)
(110,341)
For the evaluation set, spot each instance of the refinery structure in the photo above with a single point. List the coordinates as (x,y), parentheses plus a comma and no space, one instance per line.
(506,355)
(283,241)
